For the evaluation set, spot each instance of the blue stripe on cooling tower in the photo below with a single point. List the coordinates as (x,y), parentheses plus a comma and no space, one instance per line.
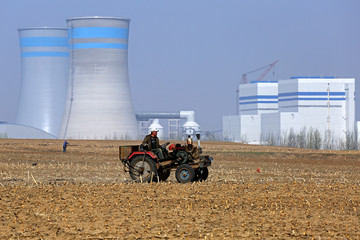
(311,94)
(259,97)
(99,32)
(254,102)
(99,45)
(44,42)
(44,54)
(311,99)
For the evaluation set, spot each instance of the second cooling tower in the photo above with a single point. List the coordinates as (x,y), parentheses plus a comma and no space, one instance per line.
(44,68)
(99,103)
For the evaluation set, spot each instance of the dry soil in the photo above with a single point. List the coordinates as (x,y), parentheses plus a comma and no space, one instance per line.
(253,192)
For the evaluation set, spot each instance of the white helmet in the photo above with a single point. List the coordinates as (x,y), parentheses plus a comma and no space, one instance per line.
(154,130)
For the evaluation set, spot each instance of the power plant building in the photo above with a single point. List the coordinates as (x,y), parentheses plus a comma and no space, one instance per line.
(325,104)
(75,83)
(254,99)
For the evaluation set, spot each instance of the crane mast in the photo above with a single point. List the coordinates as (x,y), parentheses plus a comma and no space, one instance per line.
(267,68)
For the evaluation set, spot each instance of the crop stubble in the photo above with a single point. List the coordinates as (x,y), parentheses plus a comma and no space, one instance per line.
(84,193)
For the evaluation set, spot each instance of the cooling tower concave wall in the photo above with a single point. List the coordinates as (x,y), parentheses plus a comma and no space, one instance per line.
(98,104)
(44,77)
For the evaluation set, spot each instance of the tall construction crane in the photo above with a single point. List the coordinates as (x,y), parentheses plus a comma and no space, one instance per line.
(267,67)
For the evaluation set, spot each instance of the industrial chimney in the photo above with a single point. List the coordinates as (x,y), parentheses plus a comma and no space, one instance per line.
(98,104)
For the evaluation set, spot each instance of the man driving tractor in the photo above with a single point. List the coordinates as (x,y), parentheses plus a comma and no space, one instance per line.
(152,142)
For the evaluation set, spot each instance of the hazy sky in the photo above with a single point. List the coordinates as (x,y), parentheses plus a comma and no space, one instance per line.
(190,55)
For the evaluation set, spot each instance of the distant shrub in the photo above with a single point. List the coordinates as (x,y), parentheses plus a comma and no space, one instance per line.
(313,139)
(3,135)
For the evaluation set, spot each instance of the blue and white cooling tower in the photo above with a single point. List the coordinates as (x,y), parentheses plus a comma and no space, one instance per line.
(98,104)
(44,73)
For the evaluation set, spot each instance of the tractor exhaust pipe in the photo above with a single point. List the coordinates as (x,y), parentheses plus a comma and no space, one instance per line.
(199,146)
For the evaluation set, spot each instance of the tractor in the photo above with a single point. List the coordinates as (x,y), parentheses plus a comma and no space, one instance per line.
(145,166)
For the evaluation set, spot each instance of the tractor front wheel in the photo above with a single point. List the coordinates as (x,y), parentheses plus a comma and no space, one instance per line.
(185,173)
(142,169)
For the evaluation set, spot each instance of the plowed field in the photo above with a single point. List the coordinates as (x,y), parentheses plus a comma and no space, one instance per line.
(253,192)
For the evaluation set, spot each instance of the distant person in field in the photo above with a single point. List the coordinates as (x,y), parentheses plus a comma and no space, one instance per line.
(152,142)
(65,145)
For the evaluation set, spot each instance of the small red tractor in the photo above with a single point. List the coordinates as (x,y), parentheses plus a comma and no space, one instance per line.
(145,166)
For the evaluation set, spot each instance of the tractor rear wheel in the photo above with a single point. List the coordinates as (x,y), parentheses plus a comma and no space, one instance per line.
(185,173)
(142,169)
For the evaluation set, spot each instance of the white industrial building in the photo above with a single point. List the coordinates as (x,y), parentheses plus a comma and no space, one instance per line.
(254,99)
(148,120)
(325,104)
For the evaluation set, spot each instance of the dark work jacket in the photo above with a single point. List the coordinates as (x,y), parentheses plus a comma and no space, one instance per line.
(147,140)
